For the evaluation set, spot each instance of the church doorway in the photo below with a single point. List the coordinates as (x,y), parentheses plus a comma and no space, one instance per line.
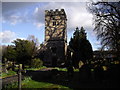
(54,61)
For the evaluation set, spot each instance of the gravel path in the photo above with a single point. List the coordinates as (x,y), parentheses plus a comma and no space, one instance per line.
(10,79)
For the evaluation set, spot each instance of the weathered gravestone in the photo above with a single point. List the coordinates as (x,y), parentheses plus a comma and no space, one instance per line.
(19,76)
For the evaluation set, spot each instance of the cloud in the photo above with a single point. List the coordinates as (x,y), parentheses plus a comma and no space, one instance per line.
(16,12)
(97,43)
(77,13)
(7,36)
(38,24)
(15,17)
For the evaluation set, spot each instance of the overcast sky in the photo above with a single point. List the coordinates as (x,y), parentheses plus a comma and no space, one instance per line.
(22,19)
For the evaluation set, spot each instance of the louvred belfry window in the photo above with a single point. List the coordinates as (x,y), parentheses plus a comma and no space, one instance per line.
(54,23)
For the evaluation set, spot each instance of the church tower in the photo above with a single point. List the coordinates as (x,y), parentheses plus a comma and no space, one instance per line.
(55,37)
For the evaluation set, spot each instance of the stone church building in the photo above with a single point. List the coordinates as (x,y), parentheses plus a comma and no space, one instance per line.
(54,49)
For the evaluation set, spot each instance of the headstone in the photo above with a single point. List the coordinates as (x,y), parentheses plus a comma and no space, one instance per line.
(5,66)
(19,76)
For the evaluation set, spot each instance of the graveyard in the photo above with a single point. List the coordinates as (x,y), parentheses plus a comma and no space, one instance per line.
(59,63)
(55,77)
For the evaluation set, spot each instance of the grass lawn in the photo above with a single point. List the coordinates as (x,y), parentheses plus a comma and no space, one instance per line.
(10,73)
(43,67)
(35,84)
(60,69)
(29,83)
(65,69)
(34,69)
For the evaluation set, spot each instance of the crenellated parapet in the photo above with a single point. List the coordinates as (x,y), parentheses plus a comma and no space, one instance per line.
(55,12)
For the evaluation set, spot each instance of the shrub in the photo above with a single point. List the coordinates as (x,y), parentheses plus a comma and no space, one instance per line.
(15,84)
(10,86)
(36,63)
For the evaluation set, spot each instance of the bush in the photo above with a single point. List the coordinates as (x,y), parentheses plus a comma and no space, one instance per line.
(36,63)
(10,86)
(15,84)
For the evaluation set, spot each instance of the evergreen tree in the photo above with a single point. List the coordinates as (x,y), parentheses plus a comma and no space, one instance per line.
(24,51)
(81,46)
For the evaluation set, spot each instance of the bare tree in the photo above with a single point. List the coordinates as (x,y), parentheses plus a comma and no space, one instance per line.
(33,39)
(107,24)
(35,44)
